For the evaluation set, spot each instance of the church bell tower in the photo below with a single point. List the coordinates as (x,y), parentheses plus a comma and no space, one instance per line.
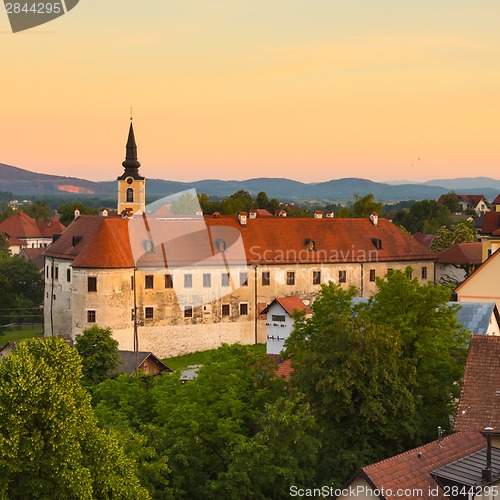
(131,185)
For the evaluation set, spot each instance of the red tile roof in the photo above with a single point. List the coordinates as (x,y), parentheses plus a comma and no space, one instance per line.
(411,470)
(285,369)
(479,405)
(461,254)
(20,225)
(266,240)
(289,304)
(491,222)
(424,239)
(496,201)
(473,199)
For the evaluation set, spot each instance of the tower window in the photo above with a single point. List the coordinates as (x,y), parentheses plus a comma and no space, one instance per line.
(130,195)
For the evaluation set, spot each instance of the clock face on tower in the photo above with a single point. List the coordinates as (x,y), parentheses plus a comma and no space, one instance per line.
(129,180)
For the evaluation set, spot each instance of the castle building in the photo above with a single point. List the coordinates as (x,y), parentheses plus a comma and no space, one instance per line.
(172,281)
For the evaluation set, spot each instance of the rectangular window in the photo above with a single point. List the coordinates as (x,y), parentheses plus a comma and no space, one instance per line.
(68,274)
(243,279)
(316,277)
(225,279)
(69,303)
(92,284)
(278,317)
(149,281)
(47,271)
(290,278)
(188,281)
(188,311)
(372,274)
(90,316)
(57,272)
(342,276)
(424,273)
(226,309)
(132,283)
(148,312)
(169,281)
(266,278)
(207,280)
(243,309)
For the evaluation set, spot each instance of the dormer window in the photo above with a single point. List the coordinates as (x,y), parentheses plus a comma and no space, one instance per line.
(378,243)
(221,246)
(130,195)
(310,245)
(149,246)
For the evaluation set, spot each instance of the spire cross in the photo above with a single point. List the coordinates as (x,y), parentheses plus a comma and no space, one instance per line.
(130,113)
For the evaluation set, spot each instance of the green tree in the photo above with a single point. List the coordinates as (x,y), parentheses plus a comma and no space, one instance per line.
(39,210)
(364,206)
(446,238)
(99,352)
(4,246)
(283,452)
(50,444)
(262,201)
(200,423)
(433,342)
(185,204)
(352,372)
(67,212)
(424,216)
(24,278)
(451,200)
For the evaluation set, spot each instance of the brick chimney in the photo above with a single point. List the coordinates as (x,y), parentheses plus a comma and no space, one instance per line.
(242,217)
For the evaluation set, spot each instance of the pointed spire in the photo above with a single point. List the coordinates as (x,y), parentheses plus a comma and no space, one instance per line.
(131,163)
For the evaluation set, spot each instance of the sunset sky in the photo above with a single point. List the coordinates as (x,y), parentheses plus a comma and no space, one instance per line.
(311,90)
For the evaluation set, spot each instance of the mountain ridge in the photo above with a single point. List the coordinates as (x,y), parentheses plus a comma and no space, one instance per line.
(20,181)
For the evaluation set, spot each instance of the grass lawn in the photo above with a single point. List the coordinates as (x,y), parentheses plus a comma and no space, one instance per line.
(198,358)
(15,335)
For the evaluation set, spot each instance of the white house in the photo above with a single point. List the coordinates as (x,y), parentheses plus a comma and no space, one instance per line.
(280,321)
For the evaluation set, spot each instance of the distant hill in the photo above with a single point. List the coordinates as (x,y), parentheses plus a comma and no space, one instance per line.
(462,183)
(22,182)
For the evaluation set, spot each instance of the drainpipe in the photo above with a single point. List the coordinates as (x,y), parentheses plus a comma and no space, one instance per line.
(255,303)
(136,336)
(52,299)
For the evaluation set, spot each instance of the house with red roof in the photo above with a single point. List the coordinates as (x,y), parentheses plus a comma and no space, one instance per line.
(450,467)
(180,282)
(490,233)
(479,405)
(22,231)
(280,321)
(477,202)
(458,262)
